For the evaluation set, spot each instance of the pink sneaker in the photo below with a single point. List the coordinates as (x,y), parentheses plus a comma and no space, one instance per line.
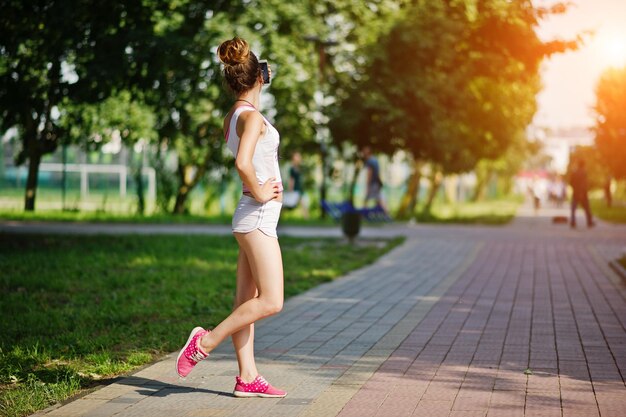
(257,388)
(191,353)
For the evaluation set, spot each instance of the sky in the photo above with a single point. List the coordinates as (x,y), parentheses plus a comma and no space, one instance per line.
(569,79)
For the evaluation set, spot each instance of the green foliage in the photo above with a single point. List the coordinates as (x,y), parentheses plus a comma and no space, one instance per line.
(188,96)
(451,83)
(52,54)
(94,124)
(277,28)
(181,85)
(99,306)
(505,167)
(611,120)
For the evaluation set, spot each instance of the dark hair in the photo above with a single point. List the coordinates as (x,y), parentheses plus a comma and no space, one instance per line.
(241,66)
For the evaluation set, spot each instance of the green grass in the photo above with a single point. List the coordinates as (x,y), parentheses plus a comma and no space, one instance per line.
(287,218)
(614,214)
(78,310)
(496,212)
(107,217)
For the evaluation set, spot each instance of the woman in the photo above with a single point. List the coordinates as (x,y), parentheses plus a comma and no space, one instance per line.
(254,143)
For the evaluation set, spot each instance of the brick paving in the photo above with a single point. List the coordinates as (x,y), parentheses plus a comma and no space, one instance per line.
(529,329)
(523,320)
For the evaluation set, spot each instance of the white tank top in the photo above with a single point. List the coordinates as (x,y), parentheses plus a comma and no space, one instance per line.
(265,157)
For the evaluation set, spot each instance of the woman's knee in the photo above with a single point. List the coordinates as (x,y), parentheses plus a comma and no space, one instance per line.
(272,306)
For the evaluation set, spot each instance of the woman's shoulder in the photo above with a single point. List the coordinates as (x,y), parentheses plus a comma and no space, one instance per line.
(250,118)
(250,115)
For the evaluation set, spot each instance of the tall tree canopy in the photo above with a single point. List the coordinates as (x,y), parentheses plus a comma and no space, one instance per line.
(611,120)
(189,97)
(423,76)
(51,51)
(452,82)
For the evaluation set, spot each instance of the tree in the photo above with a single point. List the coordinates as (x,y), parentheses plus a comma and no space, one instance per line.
(274,29)
(610,128)
(188,94)
(181,86)
(505,167)
(122,114)
(452,83)
(51,52)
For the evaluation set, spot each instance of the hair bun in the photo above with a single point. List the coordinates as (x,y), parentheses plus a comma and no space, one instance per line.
(234,51)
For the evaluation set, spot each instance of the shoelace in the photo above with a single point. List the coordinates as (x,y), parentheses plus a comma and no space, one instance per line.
(259,381)
(263,383)
(197,356)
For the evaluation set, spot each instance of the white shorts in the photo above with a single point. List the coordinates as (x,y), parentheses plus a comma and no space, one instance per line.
(251,215)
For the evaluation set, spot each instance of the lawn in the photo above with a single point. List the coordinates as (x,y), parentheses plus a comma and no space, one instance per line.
(614,214)
(78,310)
(110,217)
(496,212)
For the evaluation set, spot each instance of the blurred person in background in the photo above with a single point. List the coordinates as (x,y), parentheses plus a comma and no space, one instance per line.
(580,186)
(374,184)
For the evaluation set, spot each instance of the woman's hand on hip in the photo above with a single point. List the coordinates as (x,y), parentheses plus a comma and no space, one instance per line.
(270,190)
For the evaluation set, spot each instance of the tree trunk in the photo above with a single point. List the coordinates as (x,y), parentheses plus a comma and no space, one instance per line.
(482,179)
(507,185)
(31,182)
(187,179)
(435,182)
(181,200)
(409,200)
(607,193)
(141,201)
(184,187)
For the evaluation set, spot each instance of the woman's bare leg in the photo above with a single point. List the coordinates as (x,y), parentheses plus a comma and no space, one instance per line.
(243,340)
(265,260)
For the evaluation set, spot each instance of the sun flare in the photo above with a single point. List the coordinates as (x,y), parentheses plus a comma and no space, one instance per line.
(613,48)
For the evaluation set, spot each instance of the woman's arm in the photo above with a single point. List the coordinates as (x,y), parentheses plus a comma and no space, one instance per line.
(252,126)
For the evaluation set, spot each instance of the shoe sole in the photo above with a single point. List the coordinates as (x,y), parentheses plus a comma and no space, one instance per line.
(191,335)
(256,394)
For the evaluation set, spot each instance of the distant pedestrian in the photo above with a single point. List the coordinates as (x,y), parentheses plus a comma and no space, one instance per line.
(560,191)
(580,186)
(254,143)
(537,192)
(374,183)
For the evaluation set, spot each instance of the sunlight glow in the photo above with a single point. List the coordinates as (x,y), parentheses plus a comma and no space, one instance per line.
(613,48)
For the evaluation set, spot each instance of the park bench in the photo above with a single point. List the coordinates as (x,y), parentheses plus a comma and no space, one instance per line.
(370,214)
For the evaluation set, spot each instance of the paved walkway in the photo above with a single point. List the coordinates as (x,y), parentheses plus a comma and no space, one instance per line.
(523,320)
